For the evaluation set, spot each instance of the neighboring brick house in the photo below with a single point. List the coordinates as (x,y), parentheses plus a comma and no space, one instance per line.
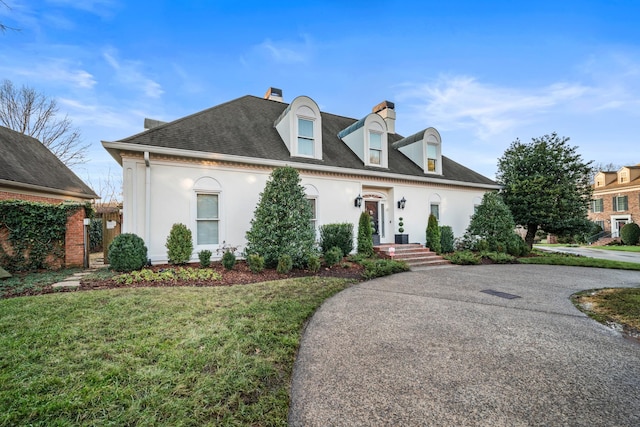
(29,171)
(616,199)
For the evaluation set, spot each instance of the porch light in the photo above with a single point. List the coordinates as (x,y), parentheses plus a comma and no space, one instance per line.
(401,203)
(358,201)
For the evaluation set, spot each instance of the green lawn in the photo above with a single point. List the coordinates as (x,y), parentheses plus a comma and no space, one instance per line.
(618,248)
(183,356)
(620,305)
(33,282)
(572,260)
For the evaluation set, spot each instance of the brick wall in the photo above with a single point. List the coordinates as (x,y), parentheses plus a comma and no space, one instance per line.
(74,240)
(633,200)
(74,236)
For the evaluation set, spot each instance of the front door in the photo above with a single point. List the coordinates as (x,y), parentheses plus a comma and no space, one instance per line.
(372,208)
(619,224)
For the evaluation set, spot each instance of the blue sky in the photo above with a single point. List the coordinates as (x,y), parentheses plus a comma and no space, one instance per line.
(482,73)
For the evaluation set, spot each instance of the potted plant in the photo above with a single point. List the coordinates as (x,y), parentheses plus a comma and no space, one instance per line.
(401,239)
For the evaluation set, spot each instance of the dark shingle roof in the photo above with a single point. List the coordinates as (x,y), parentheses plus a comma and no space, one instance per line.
(25,160)
(245,127)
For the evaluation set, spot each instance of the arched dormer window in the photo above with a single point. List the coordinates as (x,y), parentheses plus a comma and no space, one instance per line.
(368,139)
(424,149)
(300,127)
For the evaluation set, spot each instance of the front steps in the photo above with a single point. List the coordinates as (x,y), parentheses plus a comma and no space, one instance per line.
(413,254)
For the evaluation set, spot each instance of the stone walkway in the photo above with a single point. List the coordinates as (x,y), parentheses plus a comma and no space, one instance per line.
(96,261)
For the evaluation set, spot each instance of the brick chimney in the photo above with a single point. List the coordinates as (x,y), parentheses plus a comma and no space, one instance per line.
(386,109)
(274,94)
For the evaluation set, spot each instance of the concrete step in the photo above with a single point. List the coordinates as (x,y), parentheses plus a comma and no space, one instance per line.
(413,254)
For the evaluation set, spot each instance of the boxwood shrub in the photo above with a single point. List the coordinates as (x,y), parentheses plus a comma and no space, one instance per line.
(127,252)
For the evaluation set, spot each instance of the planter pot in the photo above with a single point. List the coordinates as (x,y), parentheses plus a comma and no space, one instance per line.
(402,239)
(376,239)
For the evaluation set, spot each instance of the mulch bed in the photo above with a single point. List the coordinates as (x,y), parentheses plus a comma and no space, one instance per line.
(239,275)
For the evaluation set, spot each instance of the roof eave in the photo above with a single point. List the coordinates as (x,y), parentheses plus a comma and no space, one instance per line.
(115,147)
(40,188)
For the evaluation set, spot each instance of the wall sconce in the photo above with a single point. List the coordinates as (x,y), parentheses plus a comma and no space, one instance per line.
(401,203)
(358,201)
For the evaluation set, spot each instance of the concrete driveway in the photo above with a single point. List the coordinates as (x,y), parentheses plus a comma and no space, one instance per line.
(429,348)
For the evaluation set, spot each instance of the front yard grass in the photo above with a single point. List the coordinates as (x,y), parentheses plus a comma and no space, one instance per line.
(618,248)
(185,356)
(619,305)
(577,261)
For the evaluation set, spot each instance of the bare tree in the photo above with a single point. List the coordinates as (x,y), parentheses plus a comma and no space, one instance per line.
(603,167)
(27,111)
(108,187)
(4,27)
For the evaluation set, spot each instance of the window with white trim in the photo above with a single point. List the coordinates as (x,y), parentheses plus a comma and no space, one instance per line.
(597,205)
(432,158)
(207,219)
(434,209)
(600,223)
(375,148)
(620,203)
(306,141)
(314,215)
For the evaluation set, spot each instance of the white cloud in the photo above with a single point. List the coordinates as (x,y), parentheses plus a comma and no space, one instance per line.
(128,73)
(54,70)
(463,102)
(283,52)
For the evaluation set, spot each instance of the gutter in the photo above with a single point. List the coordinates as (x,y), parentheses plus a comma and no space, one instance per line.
(147,200)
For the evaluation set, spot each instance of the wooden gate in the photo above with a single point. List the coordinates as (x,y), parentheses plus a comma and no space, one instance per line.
(111,227)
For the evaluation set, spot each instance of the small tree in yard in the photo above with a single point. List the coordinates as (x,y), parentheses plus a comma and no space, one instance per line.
(492,223)
(179,244)
(547,186)
(433,234)
(281,223)
(365,235)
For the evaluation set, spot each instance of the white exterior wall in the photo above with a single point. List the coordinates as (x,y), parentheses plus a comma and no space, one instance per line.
(172,200)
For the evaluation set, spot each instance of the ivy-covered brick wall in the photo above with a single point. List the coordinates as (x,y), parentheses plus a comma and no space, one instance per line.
(37,235)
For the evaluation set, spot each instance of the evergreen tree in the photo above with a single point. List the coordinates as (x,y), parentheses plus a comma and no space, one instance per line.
(365,235)
(433,234)
(492,222)
(547,185)
(281,223)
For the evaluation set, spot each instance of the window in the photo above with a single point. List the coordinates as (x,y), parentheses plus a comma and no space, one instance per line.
(305,137)
(375,148)
(597,205)
(623,177)
(620,203)
(314,216)
(475,209)
(432,156)
(600,224)
(207,219)
(435,210)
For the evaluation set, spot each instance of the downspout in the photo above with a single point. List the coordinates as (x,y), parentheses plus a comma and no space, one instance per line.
(147,200)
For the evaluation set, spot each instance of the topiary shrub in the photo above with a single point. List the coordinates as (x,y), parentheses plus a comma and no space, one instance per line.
(228,260)
(433,235)
(127,252)
(313,263)
(205,258)
(447,239)
(179,244)
(285,264)
(281,223)
(630,234)
(256,263)
(340,235)
(333,256)
(365,235)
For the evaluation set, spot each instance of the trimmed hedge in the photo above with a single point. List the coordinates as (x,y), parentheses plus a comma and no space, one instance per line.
(340,235)
(127,252)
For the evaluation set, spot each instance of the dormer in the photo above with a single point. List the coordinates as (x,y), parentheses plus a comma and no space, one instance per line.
(627,174)
(368,139)
(300,127)
(424,149)
(604,178)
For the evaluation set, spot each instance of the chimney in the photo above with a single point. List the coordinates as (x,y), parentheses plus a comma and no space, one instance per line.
(386,109)
(151,123)
(274,94)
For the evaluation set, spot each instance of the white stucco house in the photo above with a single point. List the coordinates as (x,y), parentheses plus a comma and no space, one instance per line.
(208,169)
